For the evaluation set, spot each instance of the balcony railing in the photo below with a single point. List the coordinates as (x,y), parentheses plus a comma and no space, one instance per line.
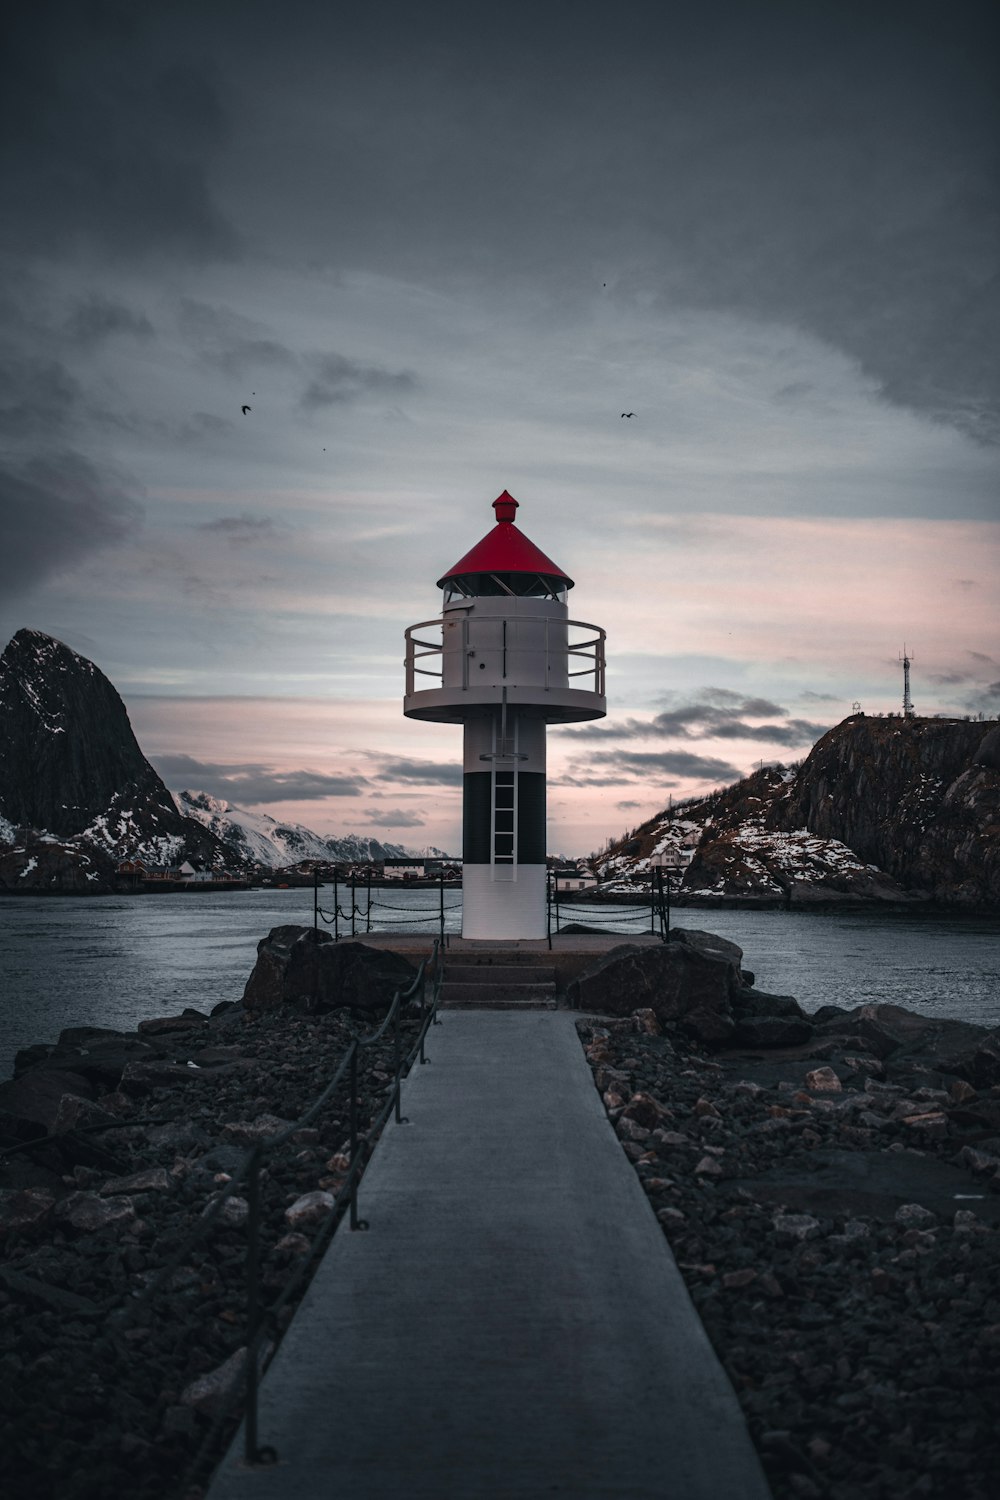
(425,658)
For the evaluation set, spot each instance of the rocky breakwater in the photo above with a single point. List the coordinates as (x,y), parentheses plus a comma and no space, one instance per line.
(830,1187)
(113,1147)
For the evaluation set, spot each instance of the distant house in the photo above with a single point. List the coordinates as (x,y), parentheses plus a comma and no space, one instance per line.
(403,869)
(573,878)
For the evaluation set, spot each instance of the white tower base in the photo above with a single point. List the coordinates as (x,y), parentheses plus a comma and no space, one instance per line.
(503,901)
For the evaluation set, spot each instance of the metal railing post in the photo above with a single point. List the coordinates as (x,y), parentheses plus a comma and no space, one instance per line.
(368,905)
(253,1298)
(336,905)
(315,899)
(398,1060)
(353,1082)
(354,904)
(441,905)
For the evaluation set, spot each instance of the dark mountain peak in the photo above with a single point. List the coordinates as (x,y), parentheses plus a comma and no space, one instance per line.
(70,764)
(66,744)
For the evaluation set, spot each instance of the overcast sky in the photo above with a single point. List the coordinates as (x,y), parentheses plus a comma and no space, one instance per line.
(438,250)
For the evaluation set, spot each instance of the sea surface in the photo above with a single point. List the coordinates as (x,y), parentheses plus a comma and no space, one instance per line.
(117,960)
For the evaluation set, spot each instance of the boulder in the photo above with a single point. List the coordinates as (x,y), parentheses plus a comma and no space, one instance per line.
(883,1029)
(101,1059)
(30,1105)
(764,1020)
(979,1062)
(300,966)
(24,1210)
(683,982)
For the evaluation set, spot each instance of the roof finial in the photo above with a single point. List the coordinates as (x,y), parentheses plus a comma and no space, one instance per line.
(505,505)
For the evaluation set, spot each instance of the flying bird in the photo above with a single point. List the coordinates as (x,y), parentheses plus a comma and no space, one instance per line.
(244,409)
(628,413)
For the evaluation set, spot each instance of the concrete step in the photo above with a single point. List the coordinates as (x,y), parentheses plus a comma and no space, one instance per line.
(458,995)
(505,973)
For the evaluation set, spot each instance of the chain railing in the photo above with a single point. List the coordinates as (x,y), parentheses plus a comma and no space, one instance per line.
(263,1322)
(658,909)
(355,911)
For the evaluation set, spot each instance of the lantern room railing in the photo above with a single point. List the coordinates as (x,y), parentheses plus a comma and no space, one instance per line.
(430,653)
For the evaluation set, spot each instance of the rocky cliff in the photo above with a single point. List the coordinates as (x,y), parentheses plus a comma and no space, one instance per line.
(919,797)
(76,791)
(885,809)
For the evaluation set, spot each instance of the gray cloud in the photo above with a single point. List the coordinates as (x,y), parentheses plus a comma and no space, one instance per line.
(706,719)
(395,769)
(390,818)
(97,318)
(241,530)
(55,510)
(228,341)
(669,763)
(252,782)
(587,781)
(337,380)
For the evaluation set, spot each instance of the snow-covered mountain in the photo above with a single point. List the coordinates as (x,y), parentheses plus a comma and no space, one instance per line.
(258,837)
(884,809)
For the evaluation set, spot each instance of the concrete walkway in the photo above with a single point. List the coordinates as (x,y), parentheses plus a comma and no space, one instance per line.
(513,1323)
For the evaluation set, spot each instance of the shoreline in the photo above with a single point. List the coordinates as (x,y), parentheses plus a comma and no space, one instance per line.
(808,1193)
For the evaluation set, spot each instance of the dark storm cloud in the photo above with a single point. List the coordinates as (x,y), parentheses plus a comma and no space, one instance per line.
(108,128)
(97,318)
(38,395)
(395,769)
(253,782)
(830,167)
(337,380)
(55,510)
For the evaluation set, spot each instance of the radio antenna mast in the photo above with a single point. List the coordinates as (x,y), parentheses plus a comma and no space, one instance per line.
(907,701)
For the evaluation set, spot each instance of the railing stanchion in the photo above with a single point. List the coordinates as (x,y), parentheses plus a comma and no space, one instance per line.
(354,903)
(253,1297)
(353,1082)
(336,905)
(441,904)
(368,905)
(397,1058)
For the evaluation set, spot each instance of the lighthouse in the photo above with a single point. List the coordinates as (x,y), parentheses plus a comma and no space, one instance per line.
(504,659)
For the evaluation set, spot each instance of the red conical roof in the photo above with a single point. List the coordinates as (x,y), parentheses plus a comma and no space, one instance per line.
(505,550)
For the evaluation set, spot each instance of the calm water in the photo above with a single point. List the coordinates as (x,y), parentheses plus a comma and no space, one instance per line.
(115,960)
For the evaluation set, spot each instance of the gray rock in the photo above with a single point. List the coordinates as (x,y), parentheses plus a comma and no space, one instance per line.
(209,1393)
(681,982)
(302,967)
(86,1212)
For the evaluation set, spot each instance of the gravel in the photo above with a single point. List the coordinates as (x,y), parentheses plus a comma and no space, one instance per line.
(841,1243)
(97,1406)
